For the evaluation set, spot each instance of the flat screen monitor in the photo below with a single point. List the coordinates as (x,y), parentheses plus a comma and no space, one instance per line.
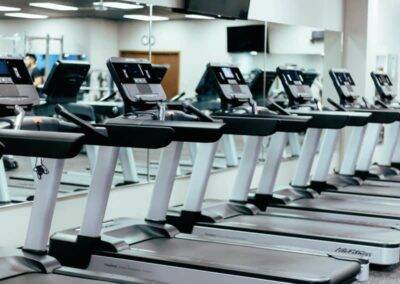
(235,9)
(246,38)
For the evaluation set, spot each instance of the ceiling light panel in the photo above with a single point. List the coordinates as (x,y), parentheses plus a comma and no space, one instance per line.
(26,15)
(146,18)
(53,6)
(9,9)
(118,5)
(199,17)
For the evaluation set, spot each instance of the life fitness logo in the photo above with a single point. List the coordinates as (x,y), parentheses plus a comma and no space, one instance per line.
(353,252)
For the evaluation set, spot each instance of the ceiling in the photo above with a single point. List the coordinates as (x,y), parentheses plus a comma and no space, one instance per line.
(86,10)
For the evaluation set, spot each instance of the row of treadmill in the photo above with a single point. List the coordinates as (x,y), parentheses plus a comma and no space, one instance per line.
(323,229)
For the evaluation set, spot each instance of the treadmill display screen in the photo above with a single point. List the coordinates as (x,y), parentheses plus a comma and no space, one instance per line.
(228,73)
(13,71)
(229,76)
(344,79)
(293,77)
(130,73)
(4,69)
(383,80)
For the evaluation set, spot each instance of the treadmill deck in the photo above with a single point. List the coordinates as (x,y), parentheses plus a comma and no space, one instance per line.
(184,251)
(351,204)
(308,228)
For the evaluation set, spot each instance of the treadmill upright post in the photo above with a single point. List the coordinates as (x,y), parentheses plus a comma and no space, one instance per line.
(390,141)
(43,207)
(325,157)
(164,182)
(229,147)
(247,167)
(396,154)
(128,165)
(99,191)
(4,192)
(200,176)
(294,143)
(353,148)
(368,147)
(272,163)
(308,152)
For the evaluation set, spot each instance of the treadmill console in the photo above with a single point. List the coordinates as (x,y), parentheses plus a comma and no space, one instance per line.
(136,80)
(16,86)
(65,80)
(262,83)
(344,85)
(296,89)
(227,81)
(384,86)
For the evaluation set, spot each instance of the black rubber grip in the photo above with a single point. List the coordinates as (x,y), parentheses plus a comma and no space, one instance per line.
(336,105)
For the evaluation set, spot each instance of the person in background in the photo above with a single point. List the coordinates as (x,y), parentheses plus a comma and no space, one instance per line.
(34,71)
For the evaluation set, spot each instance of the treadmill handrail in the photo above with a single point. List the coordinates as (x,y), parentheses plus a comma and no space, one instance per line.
(41,143)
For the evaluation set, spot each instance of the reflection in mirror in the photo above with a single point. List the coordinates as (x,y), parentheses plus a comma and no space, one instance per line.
(185,44)
(92,97)
(298,47)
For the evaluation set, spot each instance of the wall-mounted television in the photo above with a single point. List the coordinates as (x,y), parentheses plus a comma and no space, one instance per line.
(246,38)
(233,9)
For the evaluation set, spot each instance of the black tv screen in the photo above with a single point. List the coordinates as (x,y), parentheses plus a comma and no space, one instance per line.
(246,38)
(236,9)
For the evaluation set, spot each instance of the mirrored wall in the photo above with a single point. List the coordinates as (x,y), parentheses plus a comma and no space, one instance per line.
(182,45)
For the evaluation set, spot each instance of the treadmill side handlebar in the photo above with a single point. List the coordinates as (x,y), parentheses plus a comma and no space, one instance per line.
(43,144)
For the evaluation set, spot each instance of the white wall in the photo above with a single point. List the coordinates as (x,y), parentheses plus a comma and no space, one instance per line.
(199,42)
(325,14)
(371,29)
(285,39)
(96,38)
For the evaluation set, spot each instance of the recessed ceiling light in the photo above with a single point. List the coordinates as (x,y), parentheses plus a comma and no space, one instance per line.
(118,5)
(26,15)
(146,18)
(199,17)
(9,9)
(53,6)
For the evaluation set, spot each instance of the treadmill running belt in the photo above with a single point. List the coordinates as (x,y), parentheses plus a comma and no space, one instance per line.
(353,204)
(241,260)
(372,190)
(321,229)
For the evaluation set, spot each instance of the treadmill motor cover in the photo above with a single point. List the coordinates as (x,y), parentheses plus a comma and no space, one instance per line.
(16,86)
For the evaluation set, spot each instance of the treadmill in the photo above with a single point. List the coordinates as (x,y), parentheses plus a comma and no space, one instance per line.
(152,249)
(31,263)
(363,167)
(308,203)
(238,220)
(359,150)
(385,98)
